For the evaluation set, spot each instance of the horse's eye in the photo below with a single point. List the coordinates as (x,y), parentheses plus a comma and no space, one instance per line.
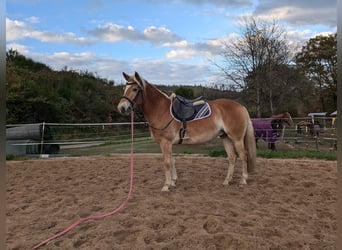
(135,89)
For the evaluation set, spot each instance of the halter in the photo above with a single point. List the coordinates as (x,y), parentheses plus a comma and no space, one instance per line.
(131,102)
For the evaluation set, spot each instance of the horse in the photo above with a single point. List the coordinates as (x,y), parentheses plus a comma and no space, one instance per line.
(314,128)
(268,130)
(272,128)
(228,120)
(285,118)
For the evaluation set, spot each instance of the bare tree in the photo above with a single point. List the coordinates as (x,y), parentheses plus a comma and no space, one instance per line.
(250,63)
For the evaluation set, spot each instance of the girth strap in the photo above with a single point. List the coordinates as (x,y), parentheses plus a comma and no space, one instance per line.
(185,110)
(182,132)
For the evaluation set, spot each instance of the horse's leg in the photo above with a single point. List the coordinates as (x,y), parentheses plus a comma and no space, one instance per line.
(241,150)
(271,145)
(173,172)
(166,149)
(229,147)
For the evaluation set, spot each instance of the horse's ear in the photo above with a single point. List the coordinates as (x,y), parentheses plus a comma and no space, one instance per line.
(125,76)
(139,79)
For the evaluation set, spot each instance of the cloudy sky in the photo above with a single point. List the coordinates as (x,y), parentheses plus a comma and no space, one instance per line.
(167,42)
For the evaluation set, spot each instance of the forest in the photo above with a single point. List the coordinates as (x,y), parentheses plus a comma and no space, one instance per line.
(37,93)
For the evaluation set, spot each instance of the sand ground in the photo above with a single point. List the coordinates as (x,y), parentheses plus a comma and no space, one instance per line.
(287,204)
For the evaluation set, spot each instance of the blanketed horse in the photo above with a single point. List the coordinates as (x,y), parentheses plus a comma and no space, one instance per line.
(270,129)
(228,119)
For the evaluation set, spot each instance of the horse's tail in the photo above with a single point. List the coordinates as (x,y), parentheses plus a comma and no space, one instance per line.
(250,147)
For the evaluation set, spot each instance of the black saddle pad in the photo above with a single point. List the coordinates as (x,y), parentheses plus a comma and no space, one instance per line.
(189,112)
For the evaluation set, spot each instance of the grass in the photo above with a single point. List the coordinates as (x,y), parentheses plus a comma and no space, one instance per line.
(11,157)
(213,149)
(298,154)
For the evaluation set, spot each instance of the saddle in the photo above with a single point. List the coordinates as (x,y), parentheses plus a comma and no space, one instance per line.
(185,110)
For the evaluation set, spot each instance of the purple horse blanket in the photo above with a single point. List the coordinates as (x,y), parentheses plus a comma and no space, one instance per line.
(263,129)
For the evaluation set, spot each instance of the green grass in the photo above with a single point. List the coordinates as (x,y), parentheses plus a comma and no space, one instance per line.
(10,157)
(297,154)
(213,149)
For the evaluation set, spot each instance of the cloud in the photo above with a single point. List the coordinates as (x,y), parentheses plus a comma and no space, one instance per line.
(209,48)
(18,30)
(299,13)
(67,37)
(160,35)
(23,49)
(111,32)
(155,71)
(172,73)
(182,53)
(33,19)
(220,3)
(217,3)
(86,61)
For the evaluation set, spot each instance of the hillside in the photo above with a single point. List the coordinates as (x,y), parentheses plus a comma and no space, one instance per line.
(37,93)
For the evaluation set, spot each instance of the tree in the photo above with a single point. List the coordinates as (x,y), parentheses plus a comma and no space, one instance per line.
(318,61)
(185,92)
(35,93)
(250,63)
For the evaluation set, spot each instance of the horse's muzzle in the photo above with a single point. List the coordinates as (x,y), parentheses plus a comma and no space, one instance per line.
(124,108)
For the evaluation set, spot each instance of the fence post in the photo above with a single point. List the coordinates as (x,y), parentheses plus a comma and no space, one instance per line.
(317,144)
(42,139)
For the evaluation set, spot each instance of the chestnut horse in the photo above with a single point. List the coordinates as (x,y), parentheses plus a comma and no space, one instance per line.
(285,118)
(229,120)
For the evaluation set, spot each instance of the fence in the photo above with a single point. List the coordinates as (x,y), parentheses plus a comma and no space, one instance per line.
(58,139)
(318,133)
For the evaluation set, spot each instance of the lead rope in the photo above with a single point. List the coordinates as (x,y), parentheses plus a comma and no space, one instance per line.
(100,216)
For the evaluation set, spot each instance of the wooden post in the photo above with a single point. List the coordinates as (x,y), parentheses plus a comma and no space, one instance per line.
(42,139)
(316,137)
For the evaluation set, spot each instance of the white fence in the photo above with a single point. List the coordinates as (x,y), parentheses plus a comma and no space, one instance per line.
(107,138)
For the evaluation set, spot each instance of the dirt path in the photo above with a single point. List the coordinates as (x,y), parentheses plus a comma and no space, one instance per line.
(287,204)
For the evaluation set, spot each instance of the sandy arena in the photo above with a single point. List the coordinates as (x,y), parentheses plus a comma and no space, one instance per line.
(287,204)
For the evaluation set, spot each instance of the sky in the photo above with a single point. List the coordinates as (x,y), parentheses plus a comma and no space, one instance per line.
(171,42)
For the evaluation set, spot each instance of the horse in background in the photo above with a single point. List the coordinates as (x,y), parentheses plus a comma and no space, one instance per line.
(228,119)
(285,118)
(270,129)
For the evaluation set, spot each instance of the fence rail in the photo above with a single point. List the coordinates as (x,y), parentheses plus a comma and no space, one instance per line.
(65,139)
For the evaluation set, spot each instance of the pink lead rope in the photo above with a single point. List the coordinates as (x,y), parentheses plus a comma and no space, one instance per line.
(100,216)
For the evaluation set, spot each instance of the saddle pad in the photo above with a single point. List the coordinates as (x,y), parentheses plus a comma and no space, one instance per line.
(201,111)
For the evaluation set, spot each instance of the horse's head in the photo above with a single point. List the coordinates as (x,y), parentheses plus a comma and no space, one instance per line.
(277,126)
(285,117)
(288,119)
(132,93)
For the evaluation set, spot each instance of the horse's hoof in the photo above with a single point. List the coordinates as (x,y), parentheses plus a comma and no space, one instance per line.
(173,183)
(225,183)
(165,189)
(243,182)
